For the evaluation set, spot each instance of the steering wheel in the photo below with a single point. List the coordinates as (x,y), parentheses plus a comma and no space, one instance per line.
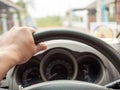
(99,45)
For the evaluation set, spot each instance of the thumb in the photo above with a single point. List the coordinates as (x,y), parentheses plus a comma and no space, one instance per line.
(41,46)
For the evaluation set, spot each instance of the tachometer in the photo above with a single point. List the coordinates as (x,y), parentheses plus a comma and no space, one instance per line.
(90,69)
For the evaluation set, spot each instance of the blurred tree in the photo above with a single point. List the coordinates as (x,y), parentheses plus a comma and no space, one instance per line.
(24,13)
(21,3)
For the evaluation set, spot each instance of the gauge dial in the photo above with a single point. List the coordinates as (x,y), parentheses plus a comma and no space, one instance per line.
(31,76)
(58,64)
(89,69)
(85,72)
(59,69)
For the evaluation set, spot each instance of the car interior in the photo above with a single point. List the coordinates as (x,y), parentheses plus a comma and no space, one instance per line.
(73,61)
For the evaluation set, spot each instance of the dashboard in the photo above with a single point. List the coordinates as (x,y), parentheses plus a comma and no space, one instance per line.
(60,64)
(64,60)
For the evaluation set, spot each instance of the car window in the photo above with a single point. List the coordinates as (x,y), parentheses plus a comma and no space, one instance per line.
(100,18)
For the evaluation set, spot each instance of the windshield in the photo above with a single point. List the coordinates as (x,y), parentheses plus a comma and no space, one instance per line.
(100,18)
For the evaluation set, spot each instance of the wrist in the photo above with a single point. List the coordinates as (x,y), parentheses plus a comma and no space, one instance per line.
(8,57)
(7,61)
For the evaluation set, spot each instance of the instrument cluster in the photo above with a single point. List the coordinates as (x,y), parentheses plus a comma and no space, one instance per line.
(60,64)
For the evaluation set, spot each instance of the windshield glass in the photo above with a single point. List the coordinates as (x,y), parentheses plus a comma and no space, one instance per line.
(100,18)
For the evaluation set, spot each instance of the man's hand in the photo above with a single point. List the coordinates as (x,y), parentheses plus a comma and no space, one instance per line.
(17,46)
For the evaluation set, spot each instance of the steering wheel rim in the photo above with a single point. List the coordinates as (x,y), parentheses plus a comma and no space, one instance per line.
(66,85)
(99,45)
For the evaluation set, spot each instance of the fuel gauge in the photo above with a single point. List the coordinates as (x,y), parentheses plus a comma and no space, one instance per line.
(31,76)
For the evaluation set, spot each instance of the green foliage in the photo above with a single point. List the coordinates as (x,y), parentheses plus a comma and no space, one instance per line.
(21,3)
(49,21)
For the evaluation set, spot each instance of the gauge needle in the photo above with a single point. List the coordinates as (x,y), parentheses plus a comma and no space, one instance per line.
(52,76)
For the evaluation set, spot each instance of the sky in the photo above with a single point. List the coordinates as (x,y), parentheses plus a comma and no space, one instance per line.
(42,8)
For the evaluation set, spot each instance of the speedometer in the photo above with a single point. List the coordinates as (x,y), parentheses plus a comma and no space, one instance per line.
(58,64)
(59,69)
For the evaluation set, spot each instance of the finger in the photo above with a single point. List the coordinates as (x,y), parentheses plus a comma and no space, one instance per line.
(24,28)
(41,46)
(29,28)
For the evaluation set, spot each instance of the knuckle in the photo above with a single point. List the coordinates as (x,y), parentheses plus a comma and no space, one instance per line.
(14,28)
(28,29)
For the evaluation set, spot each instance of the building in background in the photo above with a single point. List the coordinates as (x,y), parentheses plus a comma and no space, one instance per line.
(104,10)
(99,11)
(30,9)
(117,4)
(9,15)
(77,19)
